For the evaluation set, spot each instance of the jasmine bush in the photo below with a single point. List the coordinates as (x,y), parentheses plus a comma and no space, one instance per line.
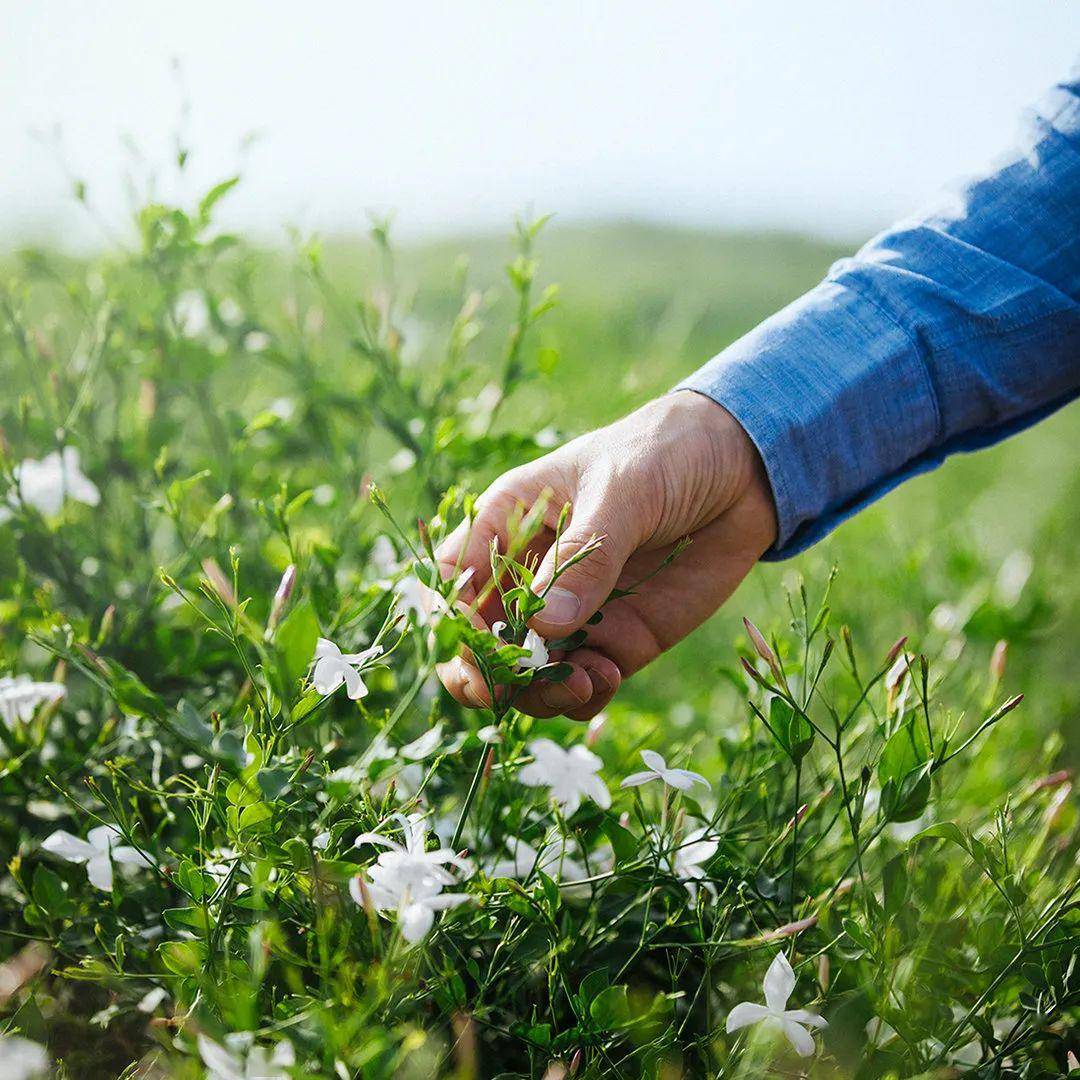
(246,834)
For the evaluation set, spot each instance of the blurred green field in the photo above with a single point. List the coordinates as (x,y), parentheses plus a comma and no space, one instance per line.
(641,306)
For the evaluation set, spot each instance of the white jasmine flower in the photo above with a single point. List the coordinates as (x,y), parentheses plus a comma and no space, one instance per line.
(423,602)
(538,650)
(333,667)
(239,1060)
(99,851)
(687,863)
(22,1059)
(683,779)
(1012,577)
(424,746)
(323,495)
(525,860)
(778,984)
(409,880)
(256,341)
(383,557)
(546,438)
(410,597)
(283,408)
(402,461)
(570,774)
(152,999)
(45,484)
(190,313)
(230,311)
(20,697)
(321,841)
(489,734)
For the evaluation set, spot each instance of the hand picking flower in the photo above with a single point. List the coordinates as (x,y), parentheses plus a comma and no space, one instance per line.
(538,650)
(570,774)
(778,984)
(333,667)
(683,779)
(20,697)
(409,880)
(99,851)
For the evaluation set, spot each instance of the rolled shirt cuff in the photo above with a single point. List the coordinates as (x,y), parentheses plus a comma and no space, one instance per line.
(837,399)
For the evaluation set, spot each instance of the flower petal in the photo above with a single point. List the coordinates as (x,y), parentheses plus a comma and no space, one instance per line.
(677,778)
(325,647)
(597,790)
(805,1016)
(128,856)
(653,760)
(68,847)
(685,775)
(377,838)
(354,685)
(746,1012)
(779,982)
(99,871)
(218,1060)
(328,675)
(415,921)
(639,778)
(799,1037)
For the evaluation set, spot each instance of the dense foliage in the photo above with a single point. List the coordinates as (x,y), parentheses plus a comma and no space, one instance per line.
(247,833)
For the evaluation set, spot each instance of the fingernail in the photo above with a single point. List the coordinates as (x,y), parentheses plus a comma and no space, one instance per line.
(601,683)
(560,606)
(560,696)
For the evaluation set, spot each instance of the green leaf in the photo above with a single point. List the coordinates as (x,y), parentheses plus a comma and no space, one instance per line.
(187,918)
(183,957)
(623,843)
(792,729)
(214,196)
(610,1009)
(592,984)
(905,752)
(895,884)
(296,637)
(257,816)
(50,893)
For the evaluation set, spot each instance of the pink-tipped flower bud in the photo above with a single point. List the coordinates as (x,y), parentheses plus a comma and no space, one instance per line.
(761,646)
(281,597)
(823,972)
(596,726)
(789,929)
(575,1062)
(998,659)
(894,652)
(220,583)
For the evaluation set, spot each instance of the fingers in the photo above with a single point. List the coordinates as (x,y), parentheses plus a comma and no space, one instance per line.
(589,688)
(580,590)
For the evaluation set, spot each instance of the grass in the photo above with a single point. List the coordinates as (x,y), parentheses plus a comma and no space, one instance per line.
(908,845)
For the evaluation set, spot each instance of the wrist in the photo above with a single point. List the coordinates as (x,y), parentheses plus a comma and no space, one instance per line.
(735,465)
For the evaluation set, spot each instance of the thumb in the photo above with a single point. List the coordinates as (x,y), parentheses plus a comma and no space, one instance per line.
(579,591)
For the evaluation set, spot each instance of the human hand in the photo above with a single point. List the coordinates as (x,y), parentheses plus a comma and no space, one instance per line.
(679,466)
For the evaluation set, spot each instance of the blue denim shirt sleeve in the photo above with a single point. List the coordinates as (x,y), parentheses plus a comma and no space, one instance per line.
(948,332)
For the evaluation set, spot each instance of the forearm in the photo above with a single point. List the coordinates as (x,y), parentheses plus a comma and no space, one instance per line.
(946,333)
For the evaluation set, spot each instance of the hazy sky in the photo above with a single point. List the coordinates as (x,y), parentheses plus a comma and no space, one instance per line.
(829,116)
